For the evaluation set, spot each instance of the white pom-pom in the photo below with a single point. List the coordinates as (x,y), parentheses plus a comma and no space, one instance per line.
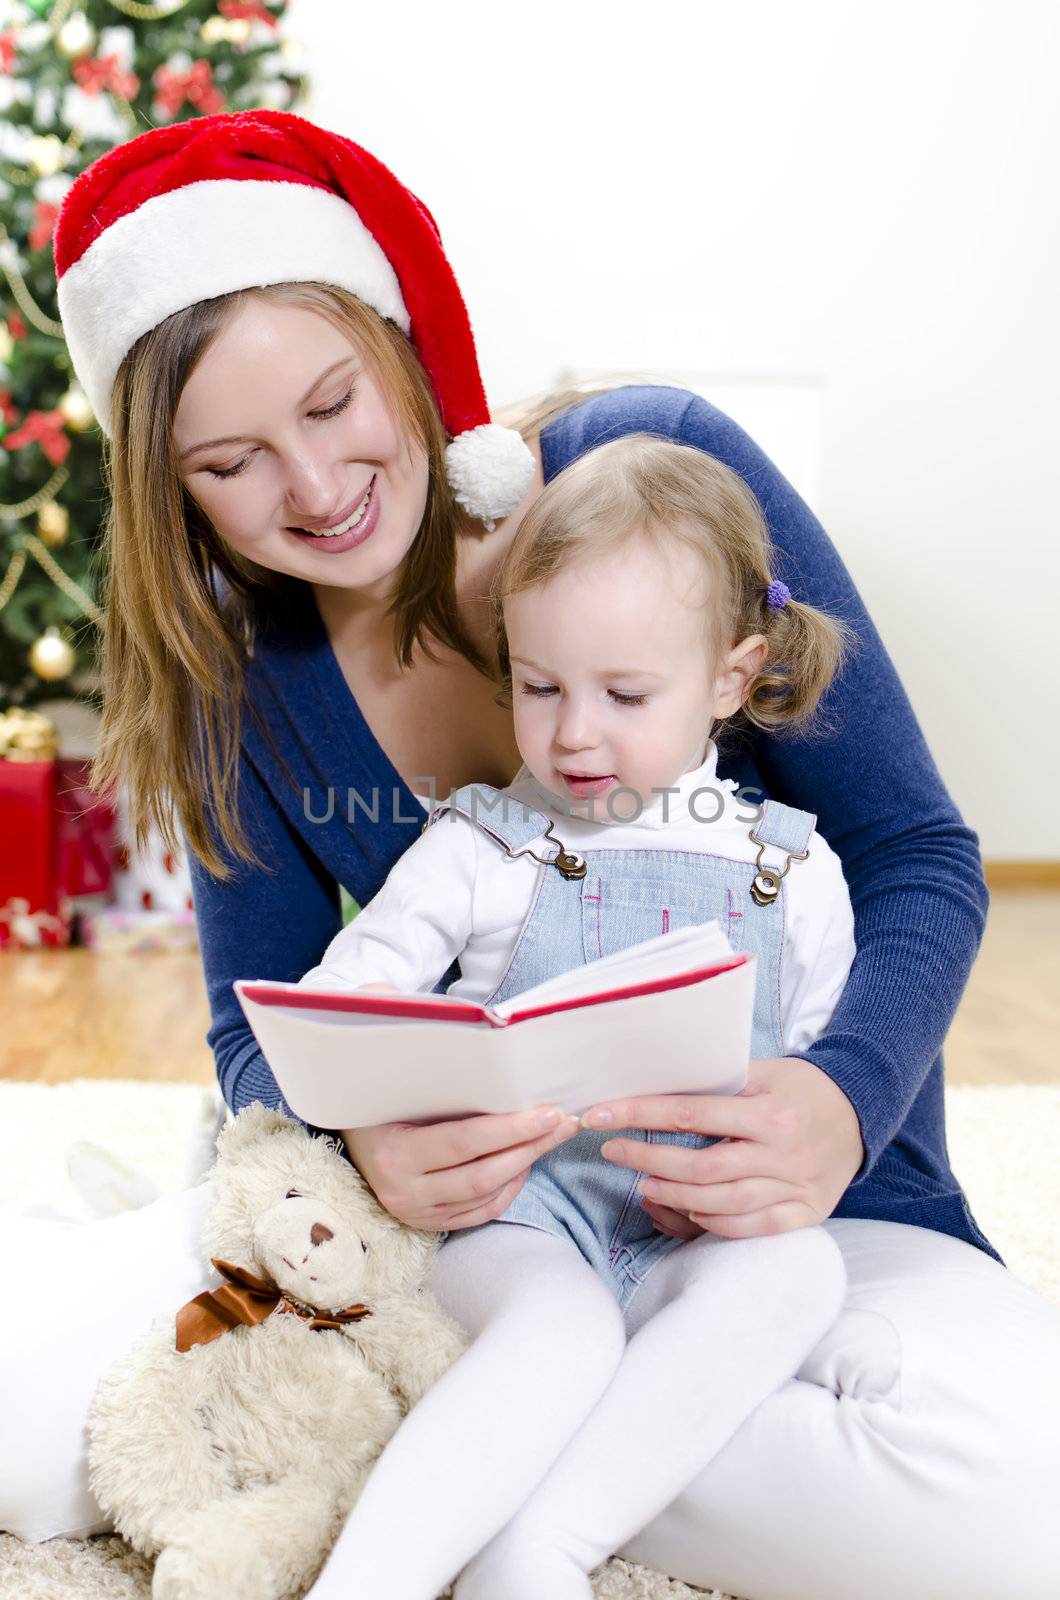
(489,470)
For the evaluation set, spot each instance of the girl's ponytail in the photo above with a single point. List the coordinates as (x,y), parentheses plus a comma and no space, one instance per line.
(806,650)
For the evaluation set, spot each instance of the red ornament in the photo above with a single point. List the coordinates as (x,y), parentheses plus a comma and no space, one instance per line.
(40,234)
(105,72)
(196,86)
(93,74)
(247,10)
(46,429)
(8,52)
(16,327)
(7,409)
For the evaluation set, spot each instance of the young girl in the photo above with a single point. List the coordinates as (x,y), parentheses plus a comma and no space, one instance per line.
(637,612)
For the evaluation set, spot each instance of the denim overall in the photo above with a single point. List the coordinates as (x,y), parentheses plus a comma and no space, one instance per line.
(623,897)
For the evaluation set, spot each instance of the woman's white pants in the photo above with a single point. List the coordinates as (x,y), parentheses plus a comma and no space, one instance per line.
(915,1452)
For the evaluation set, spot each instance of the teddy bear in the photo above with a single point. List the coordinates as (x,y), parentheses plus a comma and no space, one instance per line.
(233,1439)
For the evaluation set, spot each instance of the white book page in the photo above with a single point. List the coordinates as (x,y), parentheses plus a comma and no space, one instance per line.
(665,956)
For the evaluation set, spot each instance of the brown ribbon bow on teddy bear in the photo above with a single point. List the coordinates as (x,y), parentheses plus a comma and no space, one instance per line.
(244,1301)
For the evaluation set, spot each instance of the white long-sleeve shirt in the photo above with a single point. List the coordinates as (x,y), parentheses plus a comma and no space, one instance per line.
(455,894)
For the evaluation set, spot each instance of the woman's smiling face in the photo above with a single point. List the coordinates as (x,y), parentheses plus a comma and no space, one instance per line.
(283,428)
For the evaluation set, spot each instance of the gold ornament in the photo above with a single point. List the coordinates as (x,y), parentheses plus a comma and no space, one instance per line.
(51,657)
(226,30)
(77,37)
(7,344)
(47,155)
(53,523)
(77,413)
(27,736)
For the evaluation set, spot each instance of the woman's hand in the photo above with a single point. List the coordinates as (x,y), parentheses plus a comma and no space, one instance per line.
(793,1143)
(453,1175)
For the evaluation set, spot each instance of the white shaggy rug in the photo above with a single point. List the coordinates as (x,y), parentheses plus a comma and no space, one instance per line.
(1002,1144)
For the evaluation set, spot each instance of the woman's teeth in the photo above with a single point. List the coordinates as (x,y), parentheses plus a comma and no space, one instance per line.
(351,521)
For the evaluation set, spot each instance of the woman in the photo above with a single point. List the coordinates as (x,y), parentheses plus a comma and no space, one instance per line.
(298,690)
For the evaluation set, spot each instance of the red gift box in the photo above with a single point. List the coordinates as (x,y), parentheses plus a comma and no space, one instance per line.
(55,844)
(85,833)
(32,911)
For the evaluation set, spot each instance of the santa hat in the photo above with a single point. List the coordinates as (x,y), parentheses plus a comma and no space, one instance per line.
(205,207)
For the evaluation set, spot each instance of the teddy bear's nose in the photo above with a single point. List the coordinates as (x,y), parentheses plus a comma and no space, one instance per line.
(319,1234)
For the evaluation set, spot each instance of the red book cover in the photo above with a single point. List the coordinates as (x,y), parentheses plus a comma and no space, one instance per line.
(435,1008)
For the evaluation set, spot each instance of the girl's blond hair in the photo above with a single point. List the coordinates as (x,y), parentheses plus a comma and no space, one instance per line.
(645,487)
(180,605)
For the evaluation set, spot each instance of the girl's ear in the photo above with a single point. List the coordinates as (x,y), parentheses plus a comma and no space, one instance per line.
(740,668)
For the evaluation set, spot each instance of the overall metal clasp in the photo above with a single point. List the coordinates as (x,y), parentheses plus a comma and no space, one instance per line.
(567,862)
(765,886)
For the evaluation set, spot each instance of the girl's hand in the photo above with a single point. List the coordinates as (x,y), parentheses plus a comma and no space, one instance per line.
(453,1175)
(793,1143)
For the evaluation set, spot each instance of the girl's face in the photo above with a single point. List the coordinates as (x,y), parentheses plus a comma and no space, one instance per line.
(615,682)
(283,436)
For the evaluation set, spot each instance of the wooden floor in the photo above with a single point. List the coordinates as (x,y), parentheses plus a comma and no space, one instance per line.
(71,1014)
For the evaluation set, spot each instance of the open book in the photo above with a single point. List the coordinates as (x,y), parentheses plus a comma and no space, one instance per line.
(668,1016)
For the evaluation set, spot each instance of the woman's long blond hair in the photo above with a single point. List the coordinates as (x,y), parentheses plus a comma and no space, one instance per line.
(643,487)
(180,605)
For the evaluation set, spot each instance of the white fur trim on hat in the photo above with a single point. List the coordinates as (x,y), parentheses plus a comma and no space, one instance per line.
(204,240)
(489,469)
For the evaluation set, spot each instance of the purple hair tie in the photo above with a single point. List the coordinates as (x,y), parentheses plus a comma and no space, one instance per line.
(777,595)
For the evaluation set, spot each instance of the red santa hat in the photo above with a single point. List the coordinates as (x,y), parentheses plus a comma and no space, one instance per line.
(202,208)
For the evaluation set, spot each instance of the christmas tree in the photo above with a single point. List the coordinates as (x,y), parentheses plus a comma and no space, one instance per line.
(78,77)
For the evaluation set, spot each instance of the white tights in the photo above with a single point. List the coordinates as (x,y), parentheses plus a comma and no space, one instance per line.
(915,1452)
(567,1427)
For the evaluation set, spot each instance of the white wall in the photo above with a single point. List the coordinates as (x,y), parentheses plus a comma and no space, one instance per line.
(858,202)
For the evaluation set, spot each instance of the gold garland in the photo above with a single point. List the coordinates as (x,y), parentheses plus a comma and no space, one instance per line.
(14,572)
(59,13)
(25,301)
(19,177)
(125,111)
(142,13)
(26,508)
(29,543)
